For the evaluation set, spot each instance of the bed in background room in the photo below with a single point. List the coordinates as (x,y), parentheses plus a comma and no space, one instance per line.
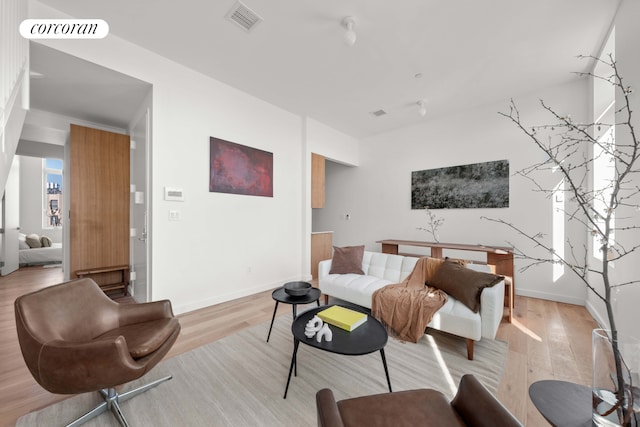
(32,253)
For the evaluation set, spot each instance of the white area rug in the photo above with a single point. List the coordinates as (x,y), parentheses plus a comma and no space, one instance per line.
(240,380)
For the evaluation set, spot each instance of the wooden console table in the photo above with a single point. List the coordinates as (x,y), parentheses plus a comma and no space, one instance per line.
(499,258)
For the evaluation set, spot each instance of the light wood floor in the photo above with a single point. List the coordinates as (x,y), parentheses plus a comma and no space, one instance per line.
(547,340)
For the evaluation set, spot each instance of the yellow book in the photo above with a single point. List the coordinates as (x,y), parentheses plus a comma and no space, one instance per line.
(343,317)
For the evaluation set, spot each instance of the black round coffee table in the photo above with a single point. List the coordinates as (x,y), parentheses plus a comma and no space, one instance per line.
(279,295)
(369,337)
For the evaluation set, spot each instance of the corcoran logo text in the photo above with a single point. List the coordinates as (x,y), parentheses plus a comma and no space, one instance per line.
(64,29)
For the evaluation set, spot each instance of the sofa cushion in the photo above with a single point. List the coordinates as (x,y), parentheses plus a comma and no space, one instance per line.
(463,284)
(395,268)
(355,288)
(347,260)
(144,338)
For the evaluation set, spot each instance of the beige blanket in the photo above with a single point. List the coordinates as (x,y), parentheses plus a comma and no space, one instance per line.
(407,308)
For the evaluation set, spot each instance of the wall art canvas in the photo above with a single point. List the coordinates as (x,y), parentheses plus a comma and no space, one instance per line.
(478,185)
(238,169)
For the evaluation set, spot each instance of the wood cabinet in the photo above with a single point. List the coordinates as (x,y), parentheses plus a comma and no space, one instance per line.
(317,180)
(321,249)
(99,206)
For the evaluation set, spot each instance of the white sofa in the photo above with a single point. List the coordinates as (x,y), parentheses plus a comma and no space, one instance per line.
(383,269)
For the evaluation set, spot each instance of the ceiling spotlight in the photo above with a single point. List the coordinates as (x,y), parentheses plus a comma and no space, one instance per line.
(423,108)
(350,35)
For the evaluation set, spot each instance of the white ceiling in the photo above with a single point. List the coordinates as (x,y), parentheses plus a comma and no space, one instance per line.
(469,52)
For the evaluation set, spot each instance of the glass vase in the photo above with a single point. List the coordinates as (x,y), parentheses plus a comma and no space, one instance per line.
(616,396)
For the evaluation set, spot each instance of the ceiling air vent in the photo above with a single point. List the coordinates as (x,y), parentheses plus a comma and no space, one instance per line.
(244,17)
(379,113)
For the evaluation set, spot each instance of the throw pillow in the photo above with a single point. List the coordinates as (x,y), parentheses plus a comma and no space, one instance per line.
(45,241)
(33,240)
(347,260)
(462,283)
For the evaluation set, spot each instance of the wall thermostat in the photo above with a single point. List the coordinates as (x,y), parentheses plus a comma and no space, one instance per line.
(174,194)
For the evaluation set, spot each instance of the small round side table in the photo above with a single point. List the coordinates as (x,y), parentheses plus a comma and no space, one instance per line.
(279,295)
(562,403)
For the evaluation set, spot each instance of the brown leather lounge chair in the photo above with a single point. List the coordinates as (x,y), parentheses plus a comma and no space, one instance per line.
(473,405)
(74,339)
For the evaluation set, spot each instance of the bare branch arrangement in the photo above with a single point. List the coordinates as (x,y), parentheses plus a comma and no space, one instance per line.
(566,145)
(433,223)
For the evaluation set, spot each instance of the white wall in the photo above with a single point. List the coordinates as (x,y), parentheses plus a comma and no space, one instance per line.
(14,84)
(9,141)
(330,143)
(377,193)
(225,246)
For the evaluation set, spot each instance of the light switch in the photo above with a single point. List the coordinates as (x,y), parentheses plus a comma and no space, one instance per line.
(139,197)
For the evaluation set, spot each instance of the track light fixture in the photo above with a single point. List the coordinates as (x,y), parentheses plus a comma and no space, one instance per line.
(423,108)
(350,35)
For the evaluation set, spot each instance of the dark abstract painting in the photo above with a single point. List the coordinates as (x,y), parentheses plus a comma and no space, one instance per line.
(238,169)
(478,185)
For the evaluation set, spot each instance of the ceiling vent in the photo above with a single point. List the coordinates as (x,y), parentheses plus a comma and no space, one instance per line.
(244,17)
(379,113)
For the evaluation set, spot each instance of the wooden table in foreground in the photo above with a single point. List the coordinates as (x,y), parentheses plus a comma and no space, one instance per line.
(499,258)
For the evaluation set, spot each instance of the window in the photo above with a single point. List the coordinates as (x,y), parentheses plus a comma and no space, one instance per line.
(52,194)
(604,166)
(558,219)
(604,175)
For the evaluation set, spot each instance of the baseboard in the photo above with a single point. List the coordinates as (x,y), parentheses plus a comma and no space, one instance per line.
(549,296)
(596,315)
(230,296)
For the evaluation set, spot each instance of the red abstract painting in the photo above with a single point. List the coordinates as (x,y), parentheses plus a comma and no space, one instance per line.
(238,169)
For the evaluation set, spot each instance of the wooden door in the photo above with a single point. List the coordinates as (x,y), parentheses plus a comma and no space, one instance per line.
(99,203)
(321,249)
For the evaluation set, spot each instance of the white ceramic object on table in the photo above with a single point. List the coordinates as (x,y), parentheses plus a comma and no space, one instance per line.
(313,326)
(324,332)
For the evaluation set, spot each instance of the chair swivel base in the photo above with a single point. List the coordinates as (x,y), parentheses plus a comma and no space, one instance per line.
(111,402)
